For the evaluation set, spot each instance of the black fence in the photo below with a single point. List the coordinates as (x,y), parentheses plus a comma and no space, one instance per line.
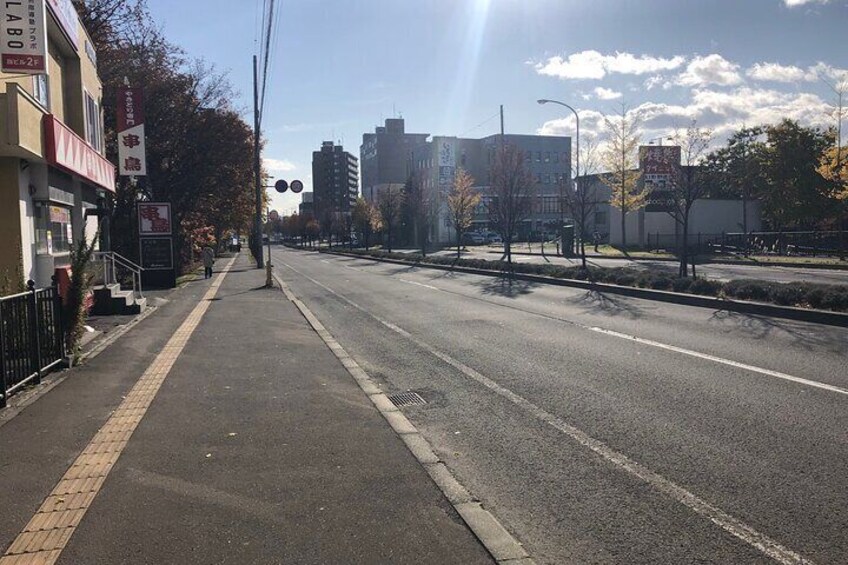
(797,243)
(31,338)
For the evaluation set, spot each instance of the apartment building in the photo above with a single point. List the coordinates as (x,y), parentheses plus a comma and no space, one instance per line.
(335,180)
(53,173)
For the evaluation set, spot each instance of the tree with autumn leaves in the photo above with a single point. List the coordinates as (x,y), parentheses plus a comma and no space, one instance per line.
(462,204)
(199,150)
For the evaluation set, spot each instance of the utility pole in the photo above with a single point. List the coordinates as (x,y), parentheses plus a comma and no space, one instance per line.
(257,171)
(502,126)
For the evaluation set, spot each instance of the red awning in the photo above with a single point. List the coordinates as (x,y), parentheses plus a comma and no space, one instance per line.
(68,151)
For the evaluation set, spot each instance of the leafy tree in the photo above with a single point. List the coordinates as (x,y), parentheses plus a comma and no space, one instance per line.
(390,204)
(510,202)
(795,193)
(620,158)
(462,203)
(199,151)
(363,216)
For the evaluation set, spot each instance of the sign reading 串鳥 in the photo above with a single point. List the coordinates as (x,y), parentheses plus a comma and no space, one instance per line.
(67,17)
(154,218)
(131,150)
(24,37)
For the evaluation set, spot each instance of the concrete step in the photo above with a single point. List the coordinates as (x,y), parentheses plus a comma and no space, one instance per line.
(111,300)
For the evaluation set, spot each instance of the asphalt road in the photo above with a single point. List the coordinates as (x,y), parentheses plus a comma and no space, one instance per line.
(715,271)
(603,429)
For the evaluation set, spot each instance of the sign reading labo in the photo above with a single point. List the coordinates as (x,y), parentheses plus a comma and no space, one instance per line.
(24,37)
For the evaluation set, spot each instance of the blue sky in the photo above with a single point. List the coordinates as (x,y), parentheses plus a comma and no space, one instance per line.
(341,66)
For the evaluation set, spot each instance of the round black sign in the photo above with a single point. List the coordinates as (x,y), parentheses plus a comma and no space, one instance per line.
(296,186)
(282,186)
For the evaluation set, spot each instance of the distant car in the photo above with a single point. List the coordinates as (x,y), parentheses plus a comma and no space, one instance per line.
(494,239)
(473,238)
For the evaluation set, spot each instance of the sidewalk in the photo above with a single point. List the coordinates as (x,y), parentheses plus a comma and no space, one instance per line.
(258,448)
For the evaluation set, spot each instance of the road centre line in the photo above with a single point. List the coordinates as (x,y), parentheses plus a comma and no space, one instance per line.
(729,523)
(48,532)
(648,342)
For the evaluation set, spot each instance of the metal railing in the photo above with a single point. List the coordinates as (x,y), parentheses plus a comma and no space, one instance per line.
(806,243)
(114,269)
(31,337)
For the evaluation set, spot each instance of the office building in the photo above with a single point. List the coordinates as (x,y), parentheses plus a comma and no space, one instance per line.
(384,156)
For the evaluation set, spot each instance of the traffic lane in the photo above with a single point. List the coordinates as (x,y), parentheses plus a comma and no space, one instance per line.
(562,502)
(811,351)
(744,444)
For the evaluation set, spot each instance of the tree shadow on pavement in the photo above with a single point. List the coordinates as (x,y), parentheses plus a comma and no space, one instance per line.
(506,286)
(223,296)
(595,302)
(807,335)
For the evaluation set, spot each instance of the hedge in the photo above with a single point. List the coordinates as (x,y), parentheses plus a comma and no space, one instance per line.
(800,294)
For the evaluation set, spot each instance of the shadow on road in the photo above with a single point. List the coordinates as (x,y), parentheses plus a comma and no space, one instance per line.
(594,302)
(808,336)
(506,286)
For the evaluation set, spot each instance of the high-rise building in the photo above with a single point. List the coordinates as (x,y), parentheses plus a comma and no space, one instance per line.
(335,180)
(384,156)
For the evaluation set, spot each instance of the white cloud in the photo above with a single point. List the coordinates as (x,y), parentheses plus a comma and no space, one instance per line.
(794,3)
(606,93)
(278,165)
(775,72)
(712,69)
(591,64)
(723,111)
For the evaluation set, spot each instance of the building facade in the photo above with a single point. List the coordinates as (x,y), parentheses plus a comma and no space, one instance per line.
(547,160)
(654,224)
(53,175)
(335,180)
(384,156)
(307,205)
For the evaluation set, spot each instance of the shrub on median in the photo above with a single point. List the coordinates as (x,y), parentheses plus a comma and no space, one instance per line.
(820,296)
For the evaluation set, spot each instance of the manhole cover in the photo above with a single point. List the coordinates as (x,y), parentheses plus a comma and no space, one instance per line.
(410,398)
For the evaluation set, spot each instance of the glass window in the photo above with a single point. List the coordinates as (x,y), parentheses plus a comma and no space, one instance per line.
(53,229)
(92,122)
(556,157)
(547,156)
(538,156)
(40,90)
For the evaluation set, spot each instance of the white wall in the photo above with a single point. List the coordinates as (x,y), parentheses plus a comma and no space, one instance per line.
(634,226)
(27,211)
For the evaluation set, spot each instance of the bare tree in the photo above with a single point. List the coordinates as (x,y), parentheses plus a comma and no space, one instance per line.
(462,203)
(687,183)
(510,202)
(620,158)
(362,217)
(582,200)
(390,204)
(422,208)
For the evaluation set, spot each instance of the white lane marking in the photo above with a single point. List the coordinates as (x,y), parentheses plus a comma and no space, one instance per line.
(660,345)
(407,281)
(713,358)
(730,524)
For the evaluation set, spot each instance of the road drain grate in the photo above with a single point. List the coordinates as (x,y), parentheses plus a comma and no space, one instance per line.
(410,398)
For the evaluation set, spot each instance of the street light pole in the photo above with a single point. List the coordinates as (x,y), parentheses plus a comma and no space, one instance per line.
(257,171)
(577,160)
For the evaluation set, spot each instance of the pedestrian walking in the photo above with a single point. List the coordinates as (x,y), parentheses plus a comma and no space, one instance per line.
(208,260)
(596,239)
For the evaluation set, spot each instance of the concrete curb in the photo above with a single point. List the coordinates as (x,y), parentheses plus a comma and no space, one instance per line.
(756,308)
(503,547)
(789,265)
